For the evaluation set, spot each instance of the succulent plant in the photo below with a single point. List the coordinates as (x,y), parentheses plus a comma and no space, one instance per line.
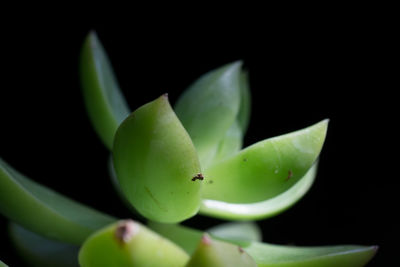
(169,164)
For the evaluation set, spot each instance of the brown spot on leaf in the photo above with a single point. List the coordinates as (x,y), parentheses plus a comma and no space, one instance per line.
(240,249)
(198,176)
(290,174)
(206,239)
(125,231)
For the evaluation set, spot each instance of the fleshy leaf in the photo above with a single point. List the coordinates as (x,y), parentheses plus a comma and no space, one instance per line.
(230,144)
(265,169)
(42,252)
(243,117)
(211,252)
(2,264)
(263,209)
(104,101)
(157,165)
(240,231)
(268,255)
(187,238)
(209,107)
(44,211)
(128,243)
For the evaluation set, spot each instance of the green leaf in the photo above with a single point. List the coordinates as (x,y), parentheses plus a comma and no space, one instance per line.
(187,238)
(211,252)
(243,117)
(157,165)
(240,231)
(230,144)
(267,168)
(128,243)
(42,252)
(263,209)
(104,101)
(268,255)
(2,264)
(44,211)
(209,107)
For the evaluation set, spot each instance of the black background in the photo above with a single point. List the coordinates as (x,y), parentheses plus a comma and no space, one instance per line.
(301,72)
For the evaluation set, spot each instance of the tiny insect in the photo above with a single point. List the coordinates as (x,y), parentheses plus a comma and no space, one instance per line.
(198,176)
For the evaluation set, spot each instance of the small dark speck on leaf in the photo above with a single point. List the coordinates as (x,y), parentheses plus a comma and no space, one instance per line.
(240,249)
(199,176)
(290,174)
(244,159)
(211,181)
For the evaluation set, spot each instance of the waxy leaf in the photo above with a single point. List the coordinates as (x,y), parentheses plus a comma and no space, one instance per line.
(38,251)
(263,209)
(230,144)
(211,252)
(44,211)
(104,101)
(156,164)
(240,231)
(243,116)
(267,168)
(208,108)
(2,264)
(128,243)
(268,255)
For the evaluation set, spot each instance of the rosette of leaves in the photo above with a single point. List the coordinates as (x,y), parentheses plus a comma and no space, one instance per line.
(169,164)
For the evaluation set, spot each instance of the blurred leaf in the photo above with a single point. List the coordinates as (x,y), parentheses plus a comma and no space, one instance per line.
(240,231)
(44,211)
(212,252)
(42,252)
(268,255)
(129,243)
(243,117)
(104,101)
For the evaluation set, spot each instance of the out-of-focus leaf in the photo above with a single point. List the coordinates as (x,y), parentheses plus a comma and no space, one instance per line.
(243,117)
(38,251)
(240,231)
(212,252)
(44,211)
(104,101)
(130,244)
(268,255)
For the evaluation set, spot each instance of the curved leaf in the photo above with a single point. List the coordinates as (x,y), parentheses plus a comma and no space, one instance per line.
(268,255)
(2,264)
(240,231)
(156,164)
(42,252)
(211,252)
(243,117)
(263,209)
(104,101)
(265,169)
(44,211)
(209,107)
(230,144)
(128,243)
